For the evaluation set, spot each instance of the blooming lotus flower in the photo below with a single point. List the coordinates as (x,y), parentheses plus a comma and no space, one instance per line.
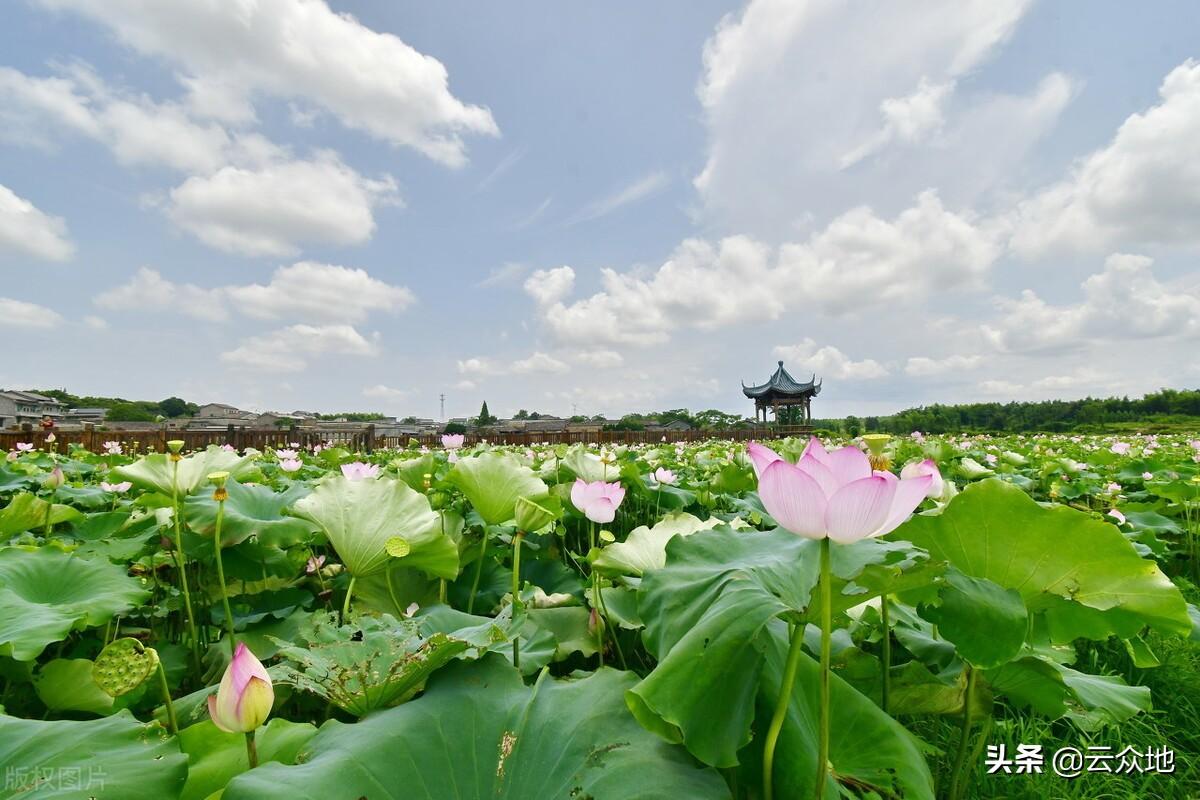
(290,465)
(926,467)
(990,458)
(243,700)
(453,441)
(357,471)
(1120,448)
(314,563)
(117,488)
(834,495)
(665,476)
(285,455)
(1113,488)
(597,500)
(1147,476)
(24,447)
(112,448)
(1118,516)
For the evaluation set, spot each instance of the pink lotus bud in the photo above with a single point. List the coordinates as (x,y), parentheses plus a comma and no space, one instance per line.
(453,441)
(54,480)
(243,700)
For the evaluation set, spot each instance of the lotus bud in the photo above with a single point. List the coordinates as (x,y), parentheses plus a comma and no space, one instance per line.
(244,699)
(54,480)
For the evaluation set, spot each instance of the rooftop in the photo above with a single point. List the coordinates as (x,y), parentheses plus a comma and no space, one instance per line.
(783,383)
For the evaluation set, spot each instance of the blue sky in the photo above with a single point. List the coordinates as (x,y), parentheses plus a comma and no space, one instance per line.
(598,207)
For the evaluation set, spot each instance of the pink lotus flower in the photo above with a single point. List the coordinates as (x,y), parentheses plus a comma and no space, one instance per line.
(117,488)
(1195,443)
(597,500)
(453,441)
(243,700)
(24,447)
(112,448)
(357,471)
(452,458)
(1113,488)
(834,495)
(290,464)
(1147,476)
(926,467)
(665,476)
(990,458)
(314,563)
(1120,448)
(1118,516)
(285,455)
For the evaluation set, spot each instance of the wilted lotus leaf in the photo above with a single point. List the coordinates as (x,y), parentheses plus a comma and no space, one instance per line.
(367,664)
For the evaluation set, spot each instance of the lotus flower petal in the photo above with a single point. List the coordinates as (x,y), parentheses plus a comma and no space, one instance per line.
(860,508)
(794,499)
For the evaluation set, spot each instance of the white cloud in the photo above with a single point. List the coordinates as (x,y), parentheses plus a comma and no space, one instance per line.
(20,314)
(304,290)
(857,262)
(923,366)
(274,210)
(1001,388)
(298,50)
(598,359)
(95,323)
(538,362)
(1123,302)
(308,289)
(148,290)
(631,193)
(796,91)
(382,392)
(26,230)
(289,349)
(1142,187)
(138,130)
(828,361)
(548,286)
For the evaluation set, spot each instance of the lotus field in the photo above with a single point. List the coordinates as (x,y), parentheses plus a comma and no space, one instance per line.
(916,617)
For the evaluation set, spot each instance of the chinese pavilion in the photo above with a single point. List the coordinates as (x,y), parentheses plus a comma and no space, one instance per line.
(781,389)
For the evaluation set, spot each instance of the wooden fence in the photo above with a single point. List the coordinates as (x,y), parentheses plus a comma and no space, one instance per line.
(364,439)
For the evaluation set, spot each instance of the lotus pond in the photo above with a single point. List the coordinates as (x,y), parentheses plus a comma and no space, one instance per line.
(798,619)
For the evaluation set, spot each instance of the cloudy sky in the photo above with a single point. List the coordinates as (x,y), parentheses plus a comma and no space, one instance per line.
(359,204)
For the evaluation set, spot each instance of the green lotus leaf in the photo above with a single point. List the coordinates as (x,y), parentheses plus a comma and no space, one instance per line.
(153,472)
(46,593)
(359,517)
(250,511)
(66,685)
(987,623)
(479,733)
(493,482)
(1057,691)
(26,512)
(646,548)
(215,757)
(587,465)
(1079,572)
(709,621)
(114,757)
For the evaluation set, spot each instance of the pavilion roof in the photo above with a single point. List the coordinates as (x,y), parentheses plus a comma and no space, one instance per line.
(783,384)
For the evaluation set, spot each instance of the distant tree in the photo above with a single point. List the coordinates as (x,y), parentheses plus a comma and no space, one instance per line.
(578,418)
(522,414)
(410,420)
(455,427)
(129,412)
(485,418)
(173,407)
(853,426)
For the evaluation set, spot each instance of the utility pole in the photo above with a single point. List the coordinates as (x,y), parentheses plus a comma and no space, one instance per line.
(442,397)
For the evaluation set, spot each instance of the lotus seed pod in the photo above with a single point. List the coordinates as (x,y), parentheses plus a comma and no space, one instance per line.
(123,666)
(397,547)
